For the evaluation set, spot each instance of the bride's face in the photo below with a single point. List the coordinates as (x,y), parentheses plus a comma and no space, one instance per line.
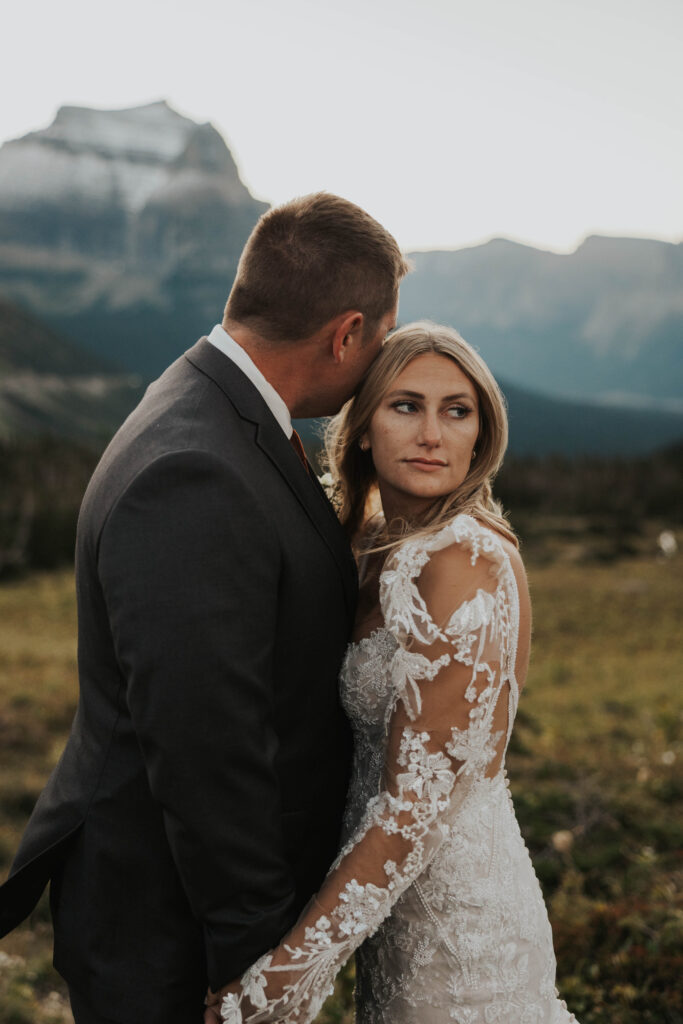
(423,433)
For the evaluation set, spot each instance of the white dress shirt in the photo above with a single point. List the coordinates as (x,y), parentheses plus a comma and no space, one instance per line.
(229,347)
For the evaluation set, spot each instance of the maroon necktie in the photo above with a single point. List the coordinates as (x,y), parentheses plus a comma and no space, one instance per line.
(295,441)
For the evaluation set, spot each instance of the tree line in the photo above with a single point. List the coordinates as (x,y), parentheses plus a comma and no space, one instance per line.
(42,481)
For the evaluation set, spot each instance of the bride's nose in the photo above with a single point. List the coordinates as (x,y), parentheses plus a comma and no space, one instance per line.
(430,430)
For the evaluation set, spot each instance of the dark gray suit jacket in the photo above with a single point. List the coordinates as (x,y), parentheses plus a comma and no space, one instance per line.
(198,802)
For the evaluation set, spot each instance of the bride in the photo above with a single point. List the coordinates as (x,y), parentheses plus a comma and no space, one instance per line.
(434,887)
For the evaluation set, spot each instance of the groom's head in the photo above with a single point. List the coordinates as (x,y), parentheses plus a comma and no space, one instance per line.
(318,276)
(310,260)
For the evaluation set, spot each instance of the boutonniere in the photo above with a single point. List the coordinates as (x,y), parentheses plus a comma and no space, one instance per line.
(332,490)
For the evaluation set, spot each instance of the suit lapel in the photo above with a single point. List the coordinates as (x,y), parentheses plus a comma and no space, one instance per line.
(272,441)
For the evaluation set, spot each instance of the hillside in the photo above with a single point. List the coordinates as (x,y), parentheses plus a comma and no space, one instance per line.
(48,385)
(542,425)
(28,345)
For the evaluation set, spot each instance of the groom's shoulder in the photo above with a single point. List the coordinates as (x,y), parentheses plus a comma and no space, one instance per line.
(182,416)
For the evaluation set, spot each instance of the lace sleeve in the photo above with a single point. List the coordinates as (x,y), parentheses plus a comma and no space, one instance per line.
(446,731)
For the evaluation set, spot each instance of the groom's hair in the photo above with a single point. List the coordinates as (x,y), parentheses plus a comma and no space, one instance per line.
(308,261)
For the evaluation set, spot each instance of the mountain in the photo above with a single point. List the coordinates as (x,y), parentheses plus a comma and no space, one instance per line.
(29,346)
(604,322)
(49,385)
(543,425)
(122,229)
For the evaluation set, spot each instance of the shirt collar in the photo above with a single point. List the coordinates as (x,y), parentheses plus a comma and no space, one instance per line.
(229,347)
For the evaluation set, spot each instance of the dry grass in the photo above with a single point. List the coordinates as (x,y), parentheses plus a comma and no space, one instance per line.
(595,769)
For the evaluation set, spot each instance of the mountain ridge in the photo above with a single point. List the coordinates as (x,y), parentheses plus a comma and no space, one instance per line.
(606,318)
(48,384)
(121,230)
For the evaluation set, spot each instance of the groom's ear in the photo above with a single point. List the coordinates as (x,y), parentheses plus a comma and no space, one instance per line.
(347,330)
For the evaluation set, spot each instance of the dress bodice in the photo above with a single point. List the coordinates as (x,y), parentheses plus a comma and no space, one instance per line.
(367,694)
(366,685)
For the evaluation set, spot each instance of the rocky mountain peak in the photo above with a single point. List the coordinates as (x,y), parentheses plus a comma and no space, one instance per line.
(107,159)
(110,209)
(205,150)
(152,132)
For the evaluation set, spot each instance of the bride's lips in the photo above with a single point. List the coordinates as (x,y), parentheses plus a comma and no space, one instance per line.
(428,465)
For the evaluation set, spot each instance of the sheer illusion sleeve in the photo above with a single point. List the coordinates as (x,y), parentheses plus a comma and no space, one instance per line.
(450,602)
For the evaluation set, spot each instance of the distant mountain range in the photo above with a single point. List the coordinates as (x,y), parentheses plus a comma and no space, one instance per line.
(120,233)
(603,322)
(50,385)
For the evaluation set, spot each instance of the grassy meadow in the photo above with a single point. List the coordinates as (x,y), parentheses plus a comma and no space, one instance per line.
(595,772)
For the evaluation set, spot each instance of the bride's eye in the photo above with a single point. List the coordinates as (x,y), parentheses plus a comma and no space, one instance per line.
(404,406)
(458,412)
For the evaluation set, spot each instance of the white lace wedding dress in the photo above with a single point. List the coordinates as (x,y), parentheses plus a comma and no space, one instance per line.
(434,883)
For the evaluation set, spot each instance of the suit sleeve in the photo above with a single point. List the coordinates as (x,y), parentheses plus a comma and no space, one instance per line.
(189,567)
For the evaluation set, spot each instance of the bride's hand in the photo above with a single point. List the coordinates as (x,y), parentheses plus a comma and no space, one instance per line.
(239,1008)
(214,1000)
(246,997)
(212,1013)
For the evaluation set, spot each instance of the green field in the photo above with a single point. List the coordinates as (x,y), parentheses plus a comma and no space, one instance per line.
(595,770)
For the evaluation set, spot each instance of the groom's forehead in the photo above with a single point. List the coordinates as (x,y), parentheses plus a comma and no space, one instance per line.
(392,323)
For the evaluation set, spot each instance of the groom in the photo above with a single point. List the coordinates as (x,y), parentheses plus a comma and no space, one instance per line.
(198,802)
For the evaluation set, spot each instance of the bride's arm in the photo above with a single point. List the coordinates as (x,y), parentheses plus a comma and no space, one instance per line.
(447,730)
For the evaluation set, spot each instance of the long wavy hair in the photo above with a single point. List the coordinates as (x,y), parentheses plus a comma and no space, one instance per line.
(354,478)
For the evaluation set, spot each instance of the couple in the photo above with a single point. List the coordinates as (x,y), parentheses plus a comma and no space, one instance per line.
(228,732)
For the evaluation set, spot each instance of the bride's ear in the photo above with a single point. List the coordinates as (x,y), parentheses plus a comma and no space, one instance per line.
(364,443)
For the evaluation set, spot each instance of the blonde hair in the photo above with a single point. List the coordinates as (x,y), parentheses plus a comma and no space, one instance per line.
(352,469)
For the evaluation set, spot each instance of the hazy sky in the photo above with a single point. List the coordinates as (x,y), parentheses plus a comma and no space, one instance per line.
(449,120)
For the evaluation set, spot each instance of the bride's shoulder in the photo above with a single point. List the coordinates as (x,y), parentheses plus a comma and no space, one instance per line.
(442,569)
(466,554)
(463,542)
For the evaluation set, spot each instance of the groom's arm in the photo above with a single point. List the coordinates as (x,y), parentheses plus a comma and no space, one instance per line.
(189,567)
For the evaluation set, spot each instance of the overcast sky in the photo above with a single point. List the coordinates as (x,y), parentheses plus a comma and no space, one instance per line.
(451,121)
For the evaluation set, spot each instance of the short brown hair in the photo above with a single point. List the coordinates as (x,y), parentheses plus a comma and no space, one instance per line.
(308,261)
